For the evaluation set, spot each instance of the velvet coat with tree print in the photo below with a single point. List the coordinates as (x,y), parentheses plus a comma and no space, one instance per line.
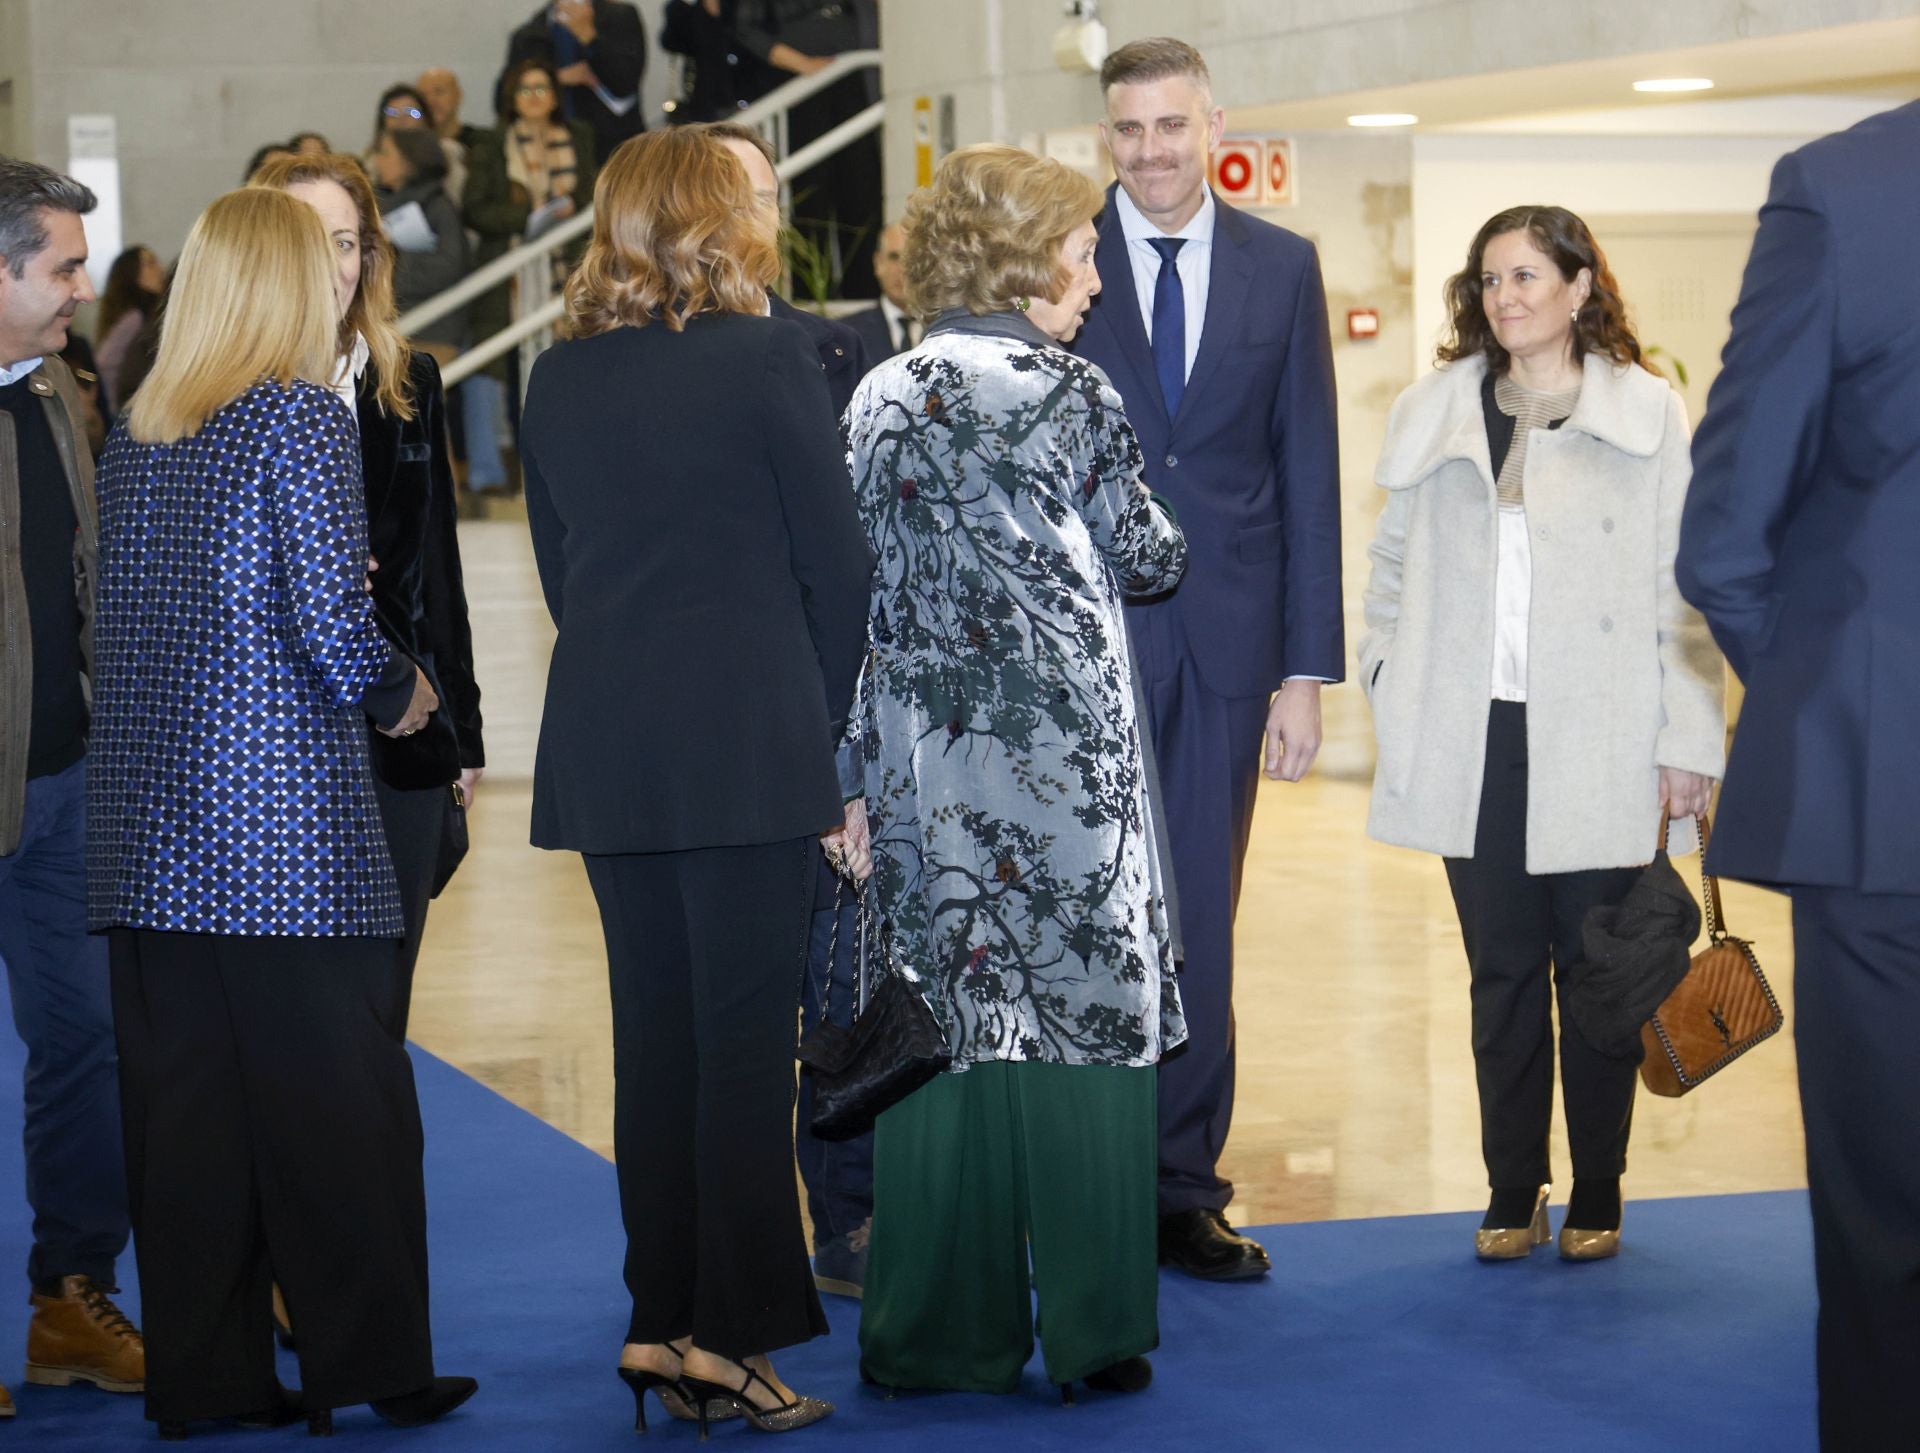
(1014,851)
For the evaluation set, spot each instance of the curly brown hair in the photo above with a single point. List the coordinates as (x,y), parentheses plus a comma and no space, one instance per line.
(1601,326)
(986,235)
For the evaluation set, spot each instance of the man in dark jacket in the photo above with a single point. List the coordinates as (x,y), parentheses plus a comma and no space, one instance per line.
(1798,546)
(76,1179)
(838,1174)
(598,52)
(887,328)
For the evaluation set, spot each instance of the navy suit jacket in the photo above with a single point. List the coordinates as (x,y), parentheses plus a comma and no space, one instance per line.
(871,325)
(1251,464)
(1801,538)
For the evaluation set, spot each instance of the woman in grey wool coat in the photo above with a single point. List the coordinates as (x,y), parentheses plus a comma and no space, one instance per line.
(1540,690)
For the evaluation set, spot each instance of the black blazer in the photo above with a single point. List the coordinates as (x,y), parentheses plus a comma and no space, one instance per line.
(696,537)
(843,357)
(419,598)
(871,325)
(618,56)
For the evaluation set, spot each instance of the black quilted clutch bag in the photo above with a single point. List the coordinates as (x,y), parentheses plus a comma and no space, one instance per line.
(893,1047)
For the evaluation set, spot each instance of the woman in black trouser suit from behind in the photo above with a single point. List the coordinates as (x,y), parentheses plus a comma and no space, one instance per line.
(696,538)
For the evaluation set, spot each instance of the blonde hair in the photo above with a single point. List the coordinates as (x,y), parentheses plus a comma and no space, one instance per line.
(252,299)
(676,231)
(373,310)
(988,231)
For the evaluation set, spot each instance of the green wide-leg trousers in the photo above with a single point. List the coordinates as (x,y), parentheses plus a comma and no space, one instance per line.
(996,1185)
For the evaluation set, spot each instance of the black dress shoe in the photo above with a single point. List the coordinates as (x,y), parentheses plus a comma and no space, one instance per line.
(1129,1374)
(1202,1244)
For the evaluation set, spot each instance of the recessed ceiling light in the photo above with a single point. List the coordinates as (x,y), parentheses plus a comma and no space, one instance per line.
(1384,118)
(1675,83)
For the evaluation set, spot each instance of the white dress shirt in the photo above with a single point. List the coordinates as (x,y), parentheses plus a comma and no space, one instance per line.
(14,372)
(899,325)
(1195,261)
(346,376)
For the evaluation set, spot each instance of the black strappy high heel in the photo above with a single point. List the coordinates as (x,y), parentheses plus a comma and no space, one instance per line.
(786,1418)
(673,1397)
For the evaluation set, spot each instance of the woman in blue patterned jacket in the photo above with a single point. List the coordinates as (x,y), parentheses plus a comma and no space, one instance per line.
(1013,833)
(237,857)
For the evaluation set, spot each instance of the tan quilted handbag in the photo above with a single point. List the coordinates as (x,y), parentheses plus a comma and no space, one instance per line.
(1719,1011)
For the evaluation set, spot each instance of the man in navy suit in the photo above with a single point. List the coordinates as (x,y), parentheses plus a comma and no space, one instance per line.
(1213,327)
(838,1175)
(1801,545)
(887,328)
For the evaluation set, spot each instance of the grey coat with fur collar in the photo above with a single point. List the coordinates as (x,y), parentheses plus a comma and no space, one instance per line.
(1622,675)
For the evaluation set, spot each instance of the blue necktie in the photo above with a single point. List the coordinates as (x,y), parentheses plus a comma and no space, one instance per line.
(1170,323)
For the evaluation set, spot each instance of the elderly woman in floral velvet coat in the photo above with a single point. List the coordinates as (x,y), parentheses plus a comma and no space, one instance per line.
(1013,832)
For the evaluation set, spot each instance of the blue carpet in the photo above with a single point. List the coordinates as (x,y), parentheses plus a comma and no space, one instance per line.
(1370,1337)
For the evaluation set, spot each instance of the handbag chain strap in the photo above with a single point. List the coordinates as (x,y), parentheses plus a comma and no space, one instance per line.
(1716,914)
(863,920)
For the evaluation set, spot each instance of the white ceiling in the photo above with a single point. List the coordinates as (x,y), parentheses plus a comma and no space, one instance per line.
(1799,84)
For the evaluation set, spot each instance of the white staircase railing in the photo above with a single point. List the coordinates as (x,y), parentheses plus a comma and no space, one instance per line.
(536,307)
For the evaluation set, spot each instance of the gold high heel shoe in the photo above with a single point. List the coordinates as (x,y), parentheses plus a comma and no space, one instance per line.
(1578,1245)
(1510,1243)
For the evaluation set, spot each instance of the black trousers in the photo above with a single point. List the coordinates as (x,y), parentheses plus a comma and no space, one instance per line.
(1856,989)
(704,952)
(272,1134)
(1519,928)
(414,820)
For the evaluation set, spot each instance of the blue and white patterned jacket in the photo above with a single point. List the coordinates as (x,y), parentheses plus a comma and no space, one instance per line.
(229,784)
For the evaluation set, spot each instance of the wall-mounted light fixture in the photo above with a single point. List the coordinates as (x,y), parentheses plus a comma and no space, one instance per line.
(1383,118)
(1080,46)
(1664,85)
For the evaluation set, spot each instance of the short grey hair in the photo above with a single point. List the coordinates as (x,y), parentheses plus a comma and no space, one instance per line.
(26,190)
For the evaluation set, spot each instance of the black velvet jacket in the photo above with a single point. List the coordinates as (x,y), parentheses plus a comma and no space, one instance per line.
(418,596)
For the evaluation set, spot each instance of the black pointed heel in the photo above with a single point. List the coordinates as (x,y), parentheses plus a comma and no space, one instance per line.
(673,1397)
(1066,1394)
(320,1424)
(785,1418)
(426,1404)
(283,1411)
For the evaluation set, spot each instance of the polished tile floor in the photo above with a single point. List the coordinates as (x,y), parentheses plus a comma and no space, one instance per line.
(1356,1092)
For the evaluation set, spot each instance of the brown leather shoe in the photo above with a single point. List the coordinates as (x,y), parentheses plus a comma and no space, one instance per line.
(82,1335)
(6,1403)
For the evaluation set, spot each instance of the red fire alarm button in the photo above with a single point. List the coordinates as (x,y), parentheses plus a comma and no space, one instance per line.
(1363,323)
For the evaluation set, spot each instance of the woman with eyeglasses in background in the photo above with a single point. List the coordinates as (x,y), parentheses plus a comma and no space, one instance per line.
(404,108)
(533,171)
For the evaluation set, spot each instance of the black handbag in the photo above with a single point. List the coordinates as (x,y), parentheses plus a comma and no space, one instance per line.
(893,1047)
(453,838)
